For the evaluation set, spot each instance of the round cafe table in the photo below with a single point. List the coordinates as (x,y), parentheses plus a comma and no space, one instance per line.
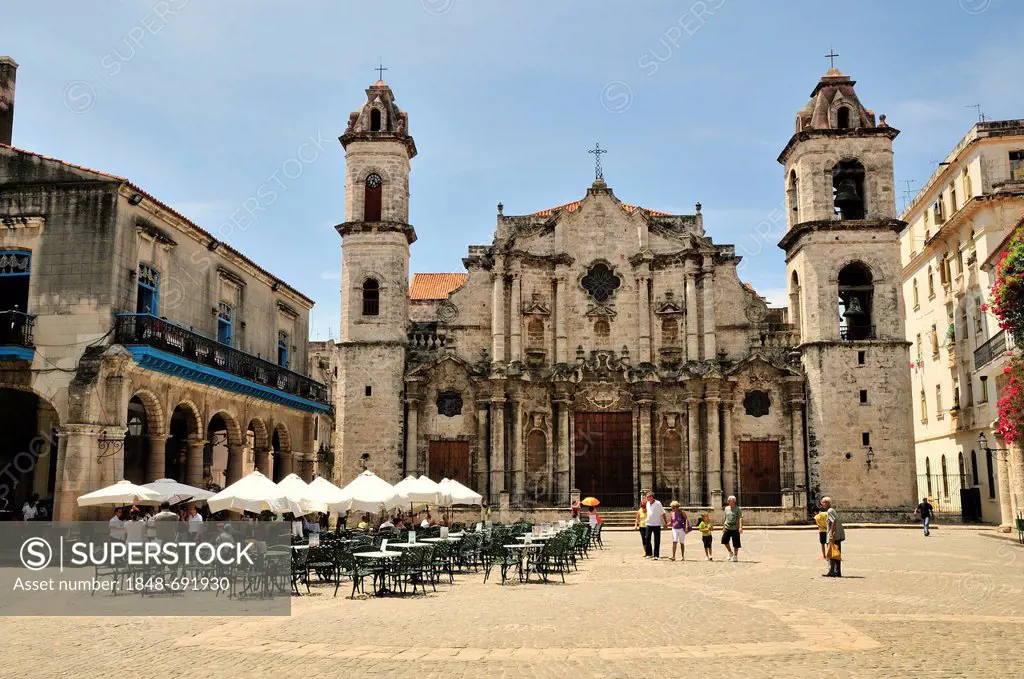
(523,551)
(382,557)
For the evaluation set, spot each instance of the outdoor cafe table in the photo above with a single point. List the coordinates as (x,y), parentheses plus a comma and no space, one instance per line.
(381,556)
(535,538)
(450,538)
(522,556)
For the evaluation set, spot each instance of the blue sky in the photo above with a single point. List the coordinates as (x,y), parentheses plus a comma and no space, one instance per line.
(201,103)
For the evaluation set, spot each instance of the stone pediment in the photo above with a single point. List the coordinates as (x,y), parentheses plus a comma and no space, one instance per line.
(669,305)
(427,368)
(601,311)
(761,368)
(537,306)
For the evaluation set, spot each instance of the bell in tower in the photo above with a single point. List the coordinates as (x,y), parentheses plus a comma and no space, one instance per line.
(848,184)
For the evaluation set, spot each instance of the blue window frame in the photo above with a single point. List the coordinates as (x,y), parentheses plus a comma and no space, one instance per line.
(282,348)
(225,323)
(15,267)
(148,299)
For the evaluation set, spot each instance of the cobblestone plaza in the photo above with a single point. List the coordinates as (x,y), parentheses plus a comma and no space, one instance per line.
(951,605)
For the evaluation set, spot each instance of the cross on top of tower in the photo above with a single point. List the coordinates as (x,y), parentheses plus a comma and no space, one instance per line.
(598,170)
(380,71)
(831,56)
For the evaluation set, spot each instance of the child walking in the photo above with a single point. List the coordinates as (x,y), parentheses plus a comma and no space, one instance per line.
(679,526)
(821,518)
(705,527)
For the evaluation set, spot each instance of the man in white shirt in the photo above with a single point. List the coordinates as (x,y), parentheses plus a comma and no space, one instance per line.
(195,522)
(30,508)
(117,526)
(656,520)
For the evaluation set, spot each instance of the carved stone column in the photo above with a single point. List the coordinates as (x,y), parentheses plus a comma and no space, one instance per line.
(157,463)
(498,317)
(692,306)
(561,321)
(799,483)
(710,352)
(728,452)
(483,463)
(693,451)
(516,307)
(644,315)
(1006,520)
(264,462)
(1015,462)
(287,463)
(714,457)
(194,463)
(563,479)
(236,459)
(646,454)
(519,454)
(412,405)
(77,470)
(497,445)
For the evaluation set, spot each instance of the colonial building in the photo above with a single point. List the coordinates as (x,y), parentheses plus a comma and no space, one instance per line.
(1009,458)
(957,221)
(134,344)
(606,348)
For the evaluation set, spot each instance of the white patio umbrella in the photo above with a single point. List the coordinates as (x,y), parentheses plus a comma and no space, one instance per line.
(367,493)
(459,494)
(322,490)
(428,485)
(254,493)
(413,491)
(174,492)
(121,493)
(298,490)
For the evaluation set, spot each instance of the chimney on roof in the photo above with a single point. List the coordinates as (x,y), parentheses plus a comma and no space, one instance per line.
(8,72)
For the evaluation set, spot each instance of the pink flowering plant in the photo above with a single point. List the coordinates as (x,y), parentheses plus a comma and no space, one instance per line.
(1008,306)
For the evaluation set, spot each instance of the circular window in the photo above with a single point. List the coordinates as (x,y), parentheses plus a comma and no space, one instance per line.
(600,282)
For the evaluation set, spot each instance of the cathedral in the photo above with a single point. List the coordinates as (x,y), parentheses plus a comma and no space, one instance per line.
(602,348)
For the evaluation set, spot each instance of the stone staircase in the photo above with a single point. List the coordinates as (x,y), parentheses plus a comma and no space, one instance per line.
(616,519)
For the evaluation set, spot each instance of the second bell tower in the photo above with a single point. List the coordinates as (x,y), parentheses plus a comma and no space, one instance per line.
(376,236)
(845,280)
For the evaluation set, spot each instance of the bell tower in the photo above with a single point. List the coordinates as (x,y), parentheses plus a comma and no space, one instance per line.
(376,236)
(845,292)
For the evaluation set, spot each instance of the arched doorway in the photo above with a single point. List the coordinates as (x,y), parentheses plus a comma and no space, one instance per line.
(29,435)
(136,442)
(222,456)
(257,438)
(281,442)
(184,431)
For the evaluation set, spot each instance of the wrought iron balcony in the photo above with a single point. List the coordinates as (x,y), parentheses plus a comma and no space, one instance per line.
(148,330)
(16,328)
(990,350)
(852,333)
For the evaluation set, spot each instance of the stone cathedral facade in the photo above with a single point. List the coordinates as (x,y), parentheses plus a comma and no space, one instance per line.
(604,348)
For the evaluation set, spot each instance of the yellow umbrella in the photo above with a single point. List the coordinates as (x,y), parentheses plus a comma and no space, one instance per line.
(590,502)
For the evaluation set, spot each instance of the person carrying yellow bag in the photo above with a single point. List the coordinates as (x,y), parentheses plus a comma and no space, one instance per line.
(836,535)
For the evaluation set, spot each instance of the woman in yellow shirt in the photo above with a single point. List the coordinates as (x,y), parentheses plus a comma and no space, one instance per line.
(640,524)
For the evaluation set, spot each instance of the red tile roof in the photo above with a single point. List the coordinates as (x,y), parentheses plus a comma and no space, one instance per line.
(165,206)
(575,205)
(427,286)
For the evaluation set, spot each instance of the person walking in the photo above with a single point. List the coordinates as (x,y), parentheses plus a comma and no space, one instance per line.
(640,524)
(926,512)
(836,535)
(821,518)
(706,527)
(732,528)
(680,524)
(656,520)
